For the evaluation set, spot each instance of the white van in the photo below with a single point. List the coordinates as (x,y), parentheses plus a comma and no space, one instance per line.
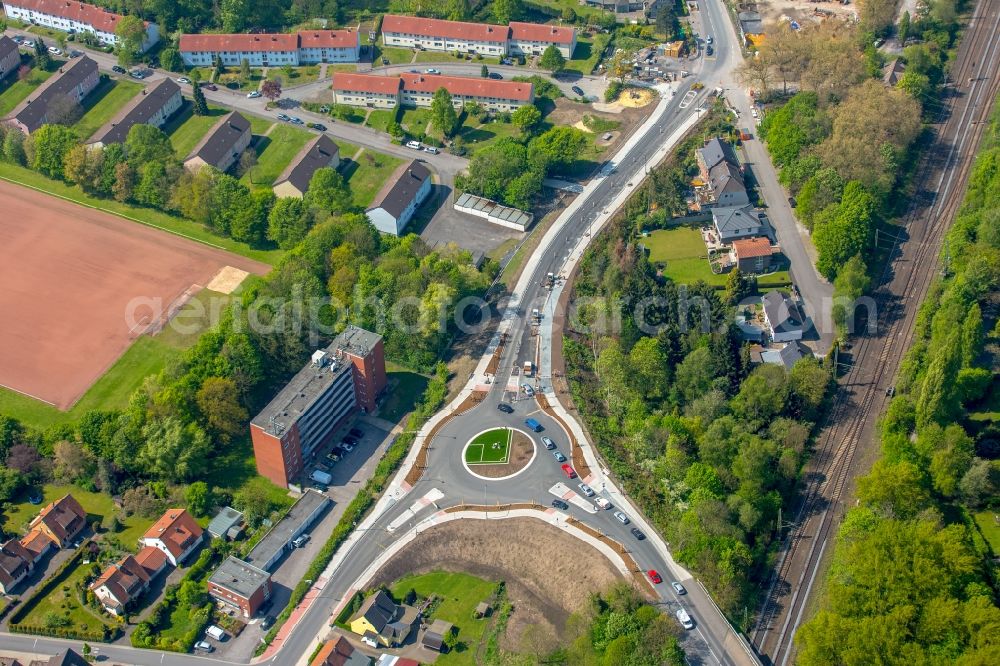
(684,618)
(215,632)
(319,476)
(413,144)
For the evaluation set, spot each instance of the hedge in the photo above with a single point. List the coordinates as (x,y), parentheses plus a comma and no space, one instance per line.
(434,395)
(109,633)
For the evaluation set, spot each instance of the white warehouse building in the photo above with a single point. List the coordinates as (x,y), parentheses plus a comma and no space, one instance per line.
(69,16)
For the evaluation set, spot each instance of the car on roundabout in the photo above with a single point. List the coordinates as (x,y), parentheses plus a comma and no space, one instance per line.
(559,504)
(549,444)
(505,408)
(559,456)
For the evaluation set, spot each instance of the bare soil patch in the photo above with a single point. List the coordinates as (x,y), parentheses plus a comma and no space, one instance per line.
(79,285)
(549,574)
(521,451)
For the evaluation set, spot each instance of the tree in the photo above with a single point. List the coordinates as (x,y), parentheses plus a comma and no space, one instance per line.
(851,283)
(131,34)
(248,160)
(666,20)
(146,143)
(191,594)
(557,148)
(13,146)
(484,72)
(552,59)
(42,58)
(199,103)
(198,498)
(903,29)
(443,116)
(83,165)
(72,462)
(26,461)
(170,60)
(271,89)
(244,71)
(218,403)
(234,15)
(172,450)
(124,182)
(50,144)
(505,11)
(526,118)
(152,186)
(288,222)
(738,287)
(845,229)
(569,15)
(328,192)
(622,64)
(877,16)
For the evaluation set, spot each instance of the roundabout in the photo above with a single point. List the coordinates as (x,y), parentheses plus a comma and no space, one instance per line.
(497,454)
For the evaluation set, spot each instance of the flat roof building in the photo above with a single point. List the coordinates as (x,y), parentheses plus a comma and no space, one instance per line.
(58,99)
(491,211)
(240,585)
(397,201)
(153,106)
(347,376)
(278,540)
(227,519)
(223,144)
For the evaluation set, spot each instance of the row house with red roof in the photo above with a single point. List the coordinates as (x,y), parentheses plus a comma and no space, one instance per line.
(128,579)
(70,16)
(176,534)
(271,50)
(518,38)
(417,90)
(56,526)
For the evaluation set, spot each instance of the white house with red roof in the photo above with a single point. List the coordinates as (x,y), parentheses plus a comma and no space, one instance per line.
(127,579)
(69,16)
(417,90)
(483,38)
(271,49)
(176,534)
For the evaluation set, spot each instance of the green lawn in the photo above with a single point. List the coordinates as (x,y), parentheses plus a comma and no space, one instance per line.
(380,119)
(460,594)
(347,150)
(492,446)
(989,525)
(64,601)
(405,388)
(298,76)
(97,505)
(588,52)
(683,254)
(147,356)
(415,121)
(396,56)
(231,79)
(103,103)
(15,91)
(259,125)
(204,73)
(275,151)
(479,135)
(367,176)
(186,129)
(153,218)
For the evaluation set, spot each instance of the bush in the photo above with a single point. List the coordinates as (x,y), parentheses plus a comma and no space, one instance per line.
(615,89)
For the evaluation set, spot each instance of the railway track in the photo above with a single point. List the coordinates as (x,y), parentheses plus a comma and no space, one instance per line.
(861,397)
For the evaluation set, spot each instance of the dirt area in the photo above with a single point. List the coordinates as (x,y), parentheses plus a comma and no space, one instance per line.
(80,285)
(803,11)
(549,574)
(521,451)
(568,112)
(227,280)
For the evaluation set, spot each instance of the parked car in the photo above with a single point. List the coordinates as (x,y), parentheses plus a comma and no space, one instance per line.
(602,503)
(559,456)
(55,51)
(621,518)
(678,588)
(319,487)
(204,645)
(431,70)
(577,90)
(30,45)
(528,390)
(568,471)
(356,432)
(267,622)
(209,86)
(282,116)
(18,39)
(319,476)
(559,504)
(638,534)
(431,149)
(586,490)
(300,540)
(295,120)
(253,94)
(496,76)
(505,408)
(549,444)
(137,74)
(75,54)
(791,202)
(348,447)
(709,50)
(415,145)
(117,68)
(183,79)
(654,577)
(709,39)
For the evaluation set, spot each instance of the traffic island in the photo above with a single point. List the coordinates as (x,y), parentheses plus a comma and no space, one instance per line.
(498,453)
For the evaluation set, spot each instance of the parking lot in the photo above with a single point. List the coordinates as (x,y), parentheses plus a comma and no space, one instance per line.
(349,475)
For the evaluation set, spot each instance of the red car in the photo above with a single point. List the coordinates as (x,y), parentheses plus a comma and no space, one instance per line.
(568,471)
(653,576)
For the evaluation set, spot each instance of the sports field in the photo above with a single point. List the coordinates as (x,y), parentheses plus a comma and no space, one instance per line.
(80,285)
(489,448)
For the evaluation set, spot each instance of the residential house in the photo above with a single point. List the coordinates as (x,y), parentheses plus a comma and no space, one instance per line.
(61,521)
(714,152)
(16,562)
(787,356)
(752,255)
(240,585)
(783,317)
(737,222)
(319,153)
(380,621)
(399,198)
(751,29)
(439,35)
(271,50)
(435,636)
(223,144)
(222,525)
(71,16)
(340,652)
(68,657)
(37,543)
(621,6)
(893,72)
(58,99)
(417,90)
(10,56)
(153,107)
(532,39)
(176,533)
(722,174)
(128,579)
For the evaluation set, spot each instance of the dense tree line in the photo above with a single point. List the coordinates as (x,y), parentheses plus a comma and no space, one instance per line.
(146,171)
(910,577)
